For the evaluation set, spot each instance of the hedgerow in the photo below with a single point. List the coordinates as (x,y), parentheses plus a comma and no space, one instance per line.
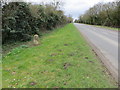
(20,20)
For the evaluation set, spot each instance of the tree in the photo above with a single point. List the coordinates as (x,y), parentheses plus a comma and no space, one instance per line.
(102,14)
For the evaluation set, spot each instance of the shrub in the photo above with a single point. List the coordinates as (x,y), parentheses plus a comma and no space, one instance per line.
(21,20)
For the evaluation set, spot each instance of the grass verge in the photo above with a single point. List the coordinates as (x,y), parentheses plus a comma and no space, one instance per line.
(62,60)
(111,28)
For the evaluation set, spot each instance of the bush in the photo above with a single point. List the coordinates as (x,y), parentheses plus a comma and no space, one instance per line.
(21,20)
(102,14)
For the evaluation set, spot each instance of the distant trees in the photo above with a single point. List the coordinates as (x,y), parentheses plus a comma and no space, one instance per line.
(21,20)
(102,14)
(69,19)
(77,21)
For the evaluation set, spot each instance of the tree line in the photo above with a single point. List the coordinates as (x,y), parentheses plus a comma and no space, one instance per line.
(20,20)
(106,14)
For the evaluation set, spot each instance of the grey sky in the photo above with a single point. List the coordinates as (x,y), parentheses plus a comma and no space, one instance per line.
(78,7)
(75,7)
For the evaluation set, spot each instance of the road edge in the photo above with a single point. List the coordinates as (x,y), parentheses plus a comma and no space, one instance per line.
(102,58)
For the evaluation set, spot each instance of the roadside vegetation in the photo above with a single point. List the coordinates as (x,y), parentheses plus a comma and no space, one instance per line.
(20,20)
(62,60)
(110,28)
(105,14)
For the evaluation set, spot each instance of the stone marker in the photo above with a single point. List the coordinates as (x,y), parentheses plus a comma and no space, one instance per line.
(36,39)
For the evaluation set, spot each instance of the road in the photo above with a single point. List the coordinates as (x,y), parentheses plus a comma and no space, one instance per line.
(105,41)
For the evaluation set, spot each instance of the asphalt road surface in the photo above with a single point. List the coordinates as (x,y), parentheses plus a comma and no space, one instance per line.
(105,40)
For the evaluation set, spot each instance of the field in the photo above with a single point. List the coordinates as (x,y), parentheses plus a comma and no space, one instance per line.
(62,60)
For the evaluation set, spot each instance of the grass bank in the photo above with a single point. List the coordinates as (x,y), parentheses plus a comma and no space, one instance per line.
(111,28)
(62,60)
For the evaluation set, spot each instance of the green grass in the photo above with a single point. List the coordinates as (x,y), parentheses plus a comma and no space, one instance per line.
(111,28)
(9,46)
(62,60)
(0,70)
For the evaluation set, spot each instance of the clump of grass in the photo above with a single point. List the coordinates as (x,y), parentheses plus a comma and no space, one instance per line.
(24,46)
(6,48)
(110,28)
(63,60)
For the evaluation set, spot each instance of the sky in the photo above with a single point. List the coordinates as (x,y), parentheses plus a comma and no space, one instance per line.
(75,8)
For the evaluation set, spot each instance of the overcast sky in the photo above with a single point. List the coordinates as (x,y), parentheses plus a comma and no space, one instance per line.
(75,7)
